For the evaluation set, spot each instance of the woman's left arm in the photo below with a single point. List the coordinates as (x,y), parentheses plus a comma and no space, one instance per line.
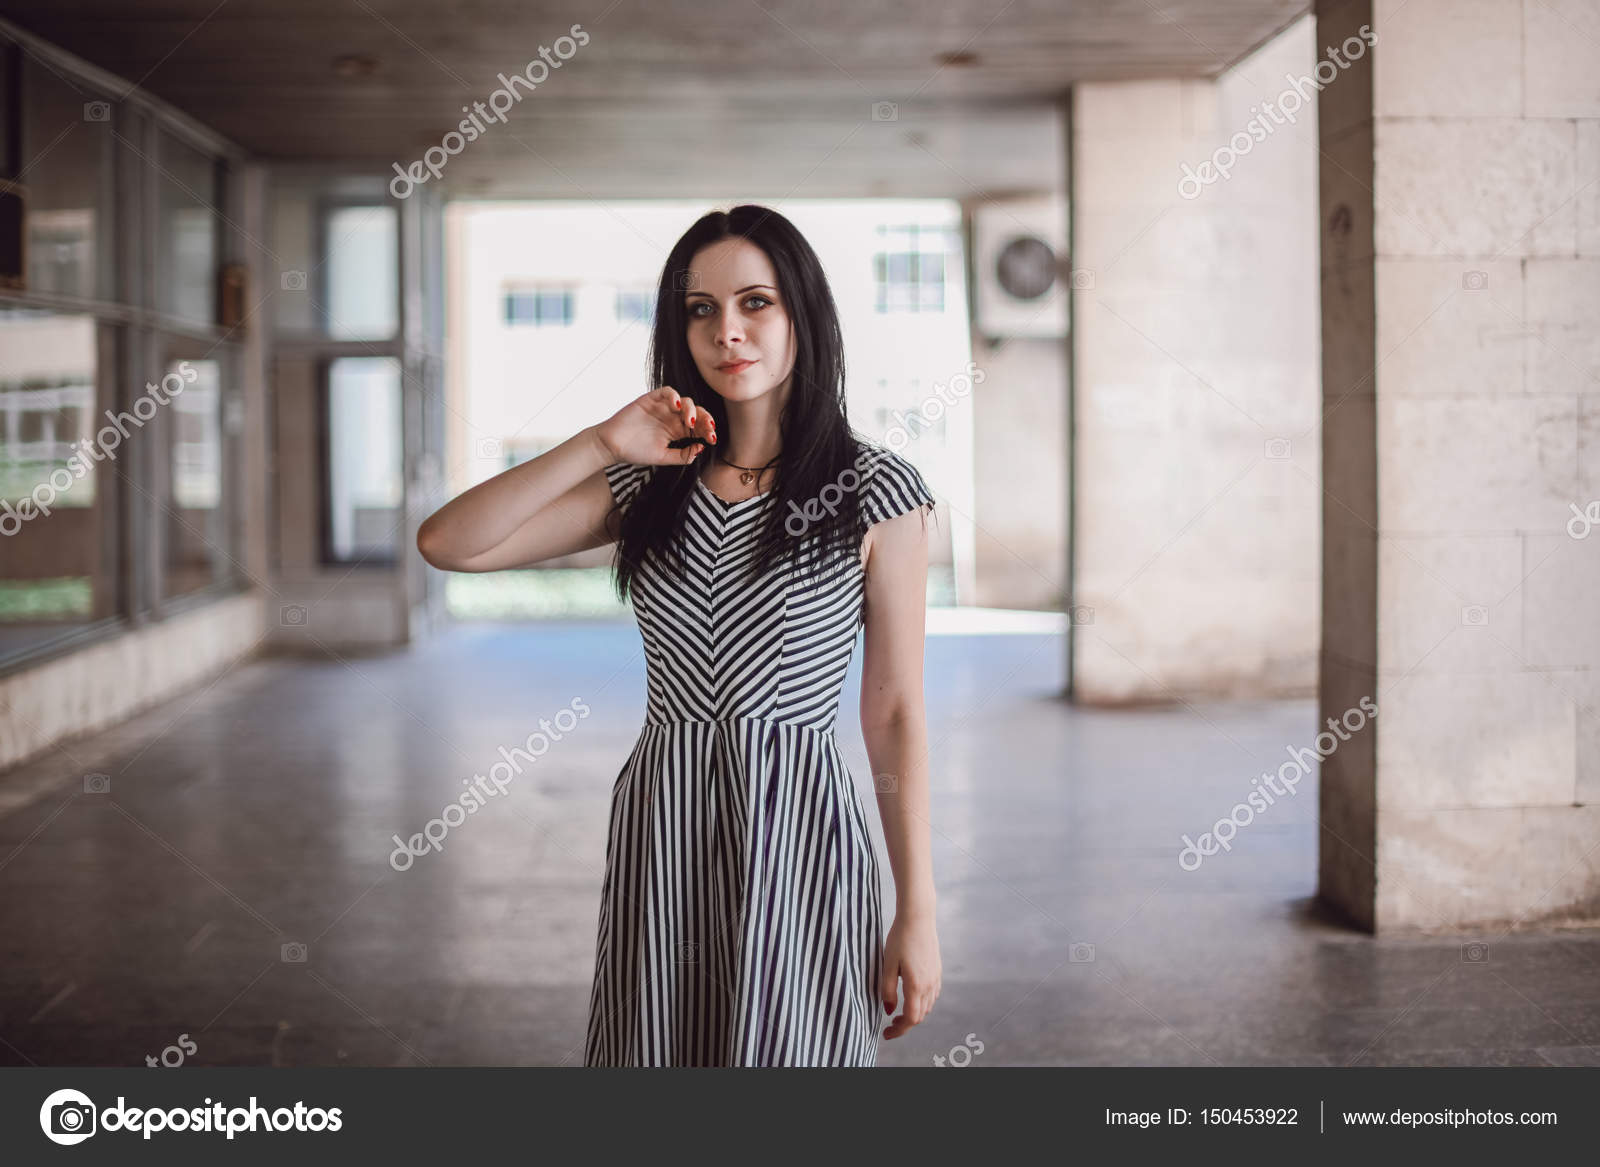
(894,726)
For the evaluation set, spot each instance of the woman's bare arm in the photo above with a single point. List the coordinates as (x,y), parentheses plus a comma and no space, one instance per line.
(558,503)
(894,726)
(549,506)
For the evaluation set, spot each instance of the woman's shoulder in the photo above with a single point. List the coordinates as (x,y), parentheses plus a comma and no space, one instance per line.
(890,484)
(626,480)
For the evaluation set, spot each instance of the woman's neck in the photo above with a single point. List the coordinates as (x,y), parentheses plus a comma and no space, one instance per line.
(753,438)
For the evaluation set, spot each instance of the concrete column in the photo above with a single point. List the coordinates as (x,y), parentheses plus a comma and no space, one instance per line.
(1196,401)
(1460,273)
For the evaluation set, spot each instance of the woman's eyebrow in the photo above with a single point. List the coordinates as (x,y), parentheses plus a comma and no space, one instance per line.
(740,292)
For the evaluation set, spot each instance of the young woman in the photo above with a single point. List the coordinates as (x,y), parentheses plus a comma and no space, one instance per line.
(740,921)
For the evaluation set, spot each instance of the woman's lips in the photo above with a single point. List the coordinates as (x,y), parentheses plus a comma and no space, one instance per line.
(736,367)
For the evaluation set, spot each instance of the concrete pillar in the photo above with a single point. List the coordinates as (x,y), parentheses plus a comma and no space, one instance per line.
(1460,272)
(1195,383)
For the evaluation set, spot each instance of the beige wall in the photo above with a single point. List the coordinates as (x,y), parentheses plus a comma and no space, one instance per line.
(1195,352)
(1464,423)
(98,686)
(1020,431)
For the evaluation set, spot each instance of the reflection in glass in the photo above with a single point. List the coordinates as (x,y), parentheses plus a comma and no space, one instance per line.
(55,470)
(64,149)
(197,534)
(364,458)
(197,437)
(188,232)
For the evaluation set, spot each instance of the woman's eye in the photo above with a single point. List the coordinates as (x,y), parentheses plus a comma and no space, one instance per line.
(759,302)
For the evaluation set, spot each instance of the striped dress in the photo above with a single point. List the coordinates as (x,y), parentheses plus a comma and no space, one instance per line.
(739,915)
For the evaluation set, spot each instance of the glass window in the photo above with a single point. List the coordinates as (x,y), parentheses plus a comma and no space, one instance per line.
(335,251)
(197,438)
(64,166)
(57,509)
(362,503)
(632,306)
(188,206)
(197,531)
(539,306)
(362,258)
(910,271)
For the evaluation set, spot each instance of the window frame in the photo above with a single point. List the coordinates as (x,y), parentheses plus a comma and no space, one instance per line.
(131,329)
(569,305)
(326,557)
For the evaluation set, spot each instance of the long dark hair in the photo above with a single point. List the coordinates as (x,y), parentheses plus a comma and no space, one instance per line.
(818,444)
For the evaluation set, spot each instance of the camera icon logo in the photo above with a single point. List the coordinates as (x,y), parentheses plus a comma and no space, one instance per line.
(1081,953)
(489,448)
(292,614)
(885,783)
(885,111)
(1081,614)
(1475,616)
(1081,279)
(293,953)
(1474,281)
(686,281)
(1278,449)
(67,1117)
(97,783)
(97,111)
(294,281)
(1475,952)
(689,952)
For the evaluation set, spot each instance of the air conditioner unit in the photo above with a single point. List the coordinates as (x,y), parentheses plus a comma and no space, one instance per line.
(1019,252)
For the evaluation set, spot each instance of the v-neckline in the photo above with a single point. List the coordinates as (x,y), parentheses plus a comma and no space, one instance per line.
(701,483)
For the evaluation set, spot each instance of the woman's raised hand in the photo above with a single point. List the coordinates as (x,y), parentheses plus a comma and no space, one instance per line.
(642,431)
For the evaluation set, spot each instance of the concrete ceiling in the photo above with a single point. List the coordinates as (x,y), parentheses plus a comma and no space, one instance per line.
(676,98)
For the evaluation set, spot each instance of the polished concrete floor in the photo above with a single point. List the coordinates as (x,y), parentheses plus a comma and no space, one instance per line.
(224,895)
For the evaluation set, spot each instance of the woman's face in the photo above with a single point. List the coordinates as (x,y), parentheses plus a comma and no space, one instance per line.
(740,333)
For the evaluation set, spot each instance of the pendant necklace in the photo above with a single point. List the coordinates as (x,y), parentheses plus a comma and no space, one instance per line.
(748,474)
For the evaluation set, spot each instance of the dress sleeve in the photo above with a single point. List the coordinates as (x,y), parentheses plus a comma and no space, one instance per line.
(626,480)
(893,487)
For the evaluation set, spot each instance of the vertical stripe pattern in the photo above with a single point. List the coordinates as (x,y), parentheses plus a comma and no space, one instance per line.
(740,922)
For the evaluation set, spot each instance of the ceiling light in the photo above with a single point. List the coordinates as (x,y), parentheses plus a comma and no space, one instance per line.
(355,65)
